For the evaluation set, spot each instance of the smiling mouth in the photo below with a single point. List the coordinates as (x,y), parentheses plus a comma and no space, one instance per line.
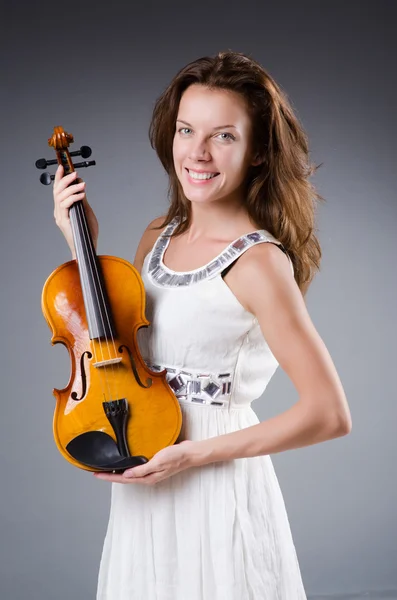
(202,176)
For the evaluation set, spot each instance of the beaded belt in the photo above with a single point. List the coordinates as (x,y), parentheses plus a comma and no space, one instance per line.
(200,388)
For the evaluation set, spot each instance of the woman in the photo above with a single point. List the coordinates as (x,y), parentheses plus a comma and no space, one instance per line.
(225,273)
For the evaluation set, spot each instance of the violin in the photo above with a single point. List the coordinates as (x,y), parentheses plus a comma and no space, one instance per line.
(115,412)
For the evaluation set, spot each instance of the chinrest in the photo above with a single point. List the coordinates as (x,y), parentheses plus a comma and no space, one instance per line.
(98,450)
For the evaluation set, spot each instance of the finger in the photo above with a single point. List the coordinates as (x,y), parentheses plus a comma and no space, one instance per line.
(150,479)
(62,182)
(61,211)
(70,200)
(58,175)
(140,471)
(109,477)
(60,196)
(67,198)
(115,478)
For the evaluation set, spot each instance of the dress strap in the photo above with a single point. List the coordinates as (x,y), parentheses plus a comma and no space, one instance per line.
(247,241)
(165,277)
(276,243)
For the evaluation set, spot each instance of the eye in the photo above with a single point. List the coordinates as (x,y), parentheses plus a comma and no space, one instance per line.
(229,136)
(183,130)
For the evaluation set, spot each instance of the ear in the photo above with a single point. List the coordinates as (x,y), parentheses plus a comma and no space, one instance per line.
(257,160)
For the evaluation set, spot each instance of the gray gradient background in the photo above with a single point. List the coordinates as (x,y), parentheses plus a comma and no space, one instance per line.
(97,71)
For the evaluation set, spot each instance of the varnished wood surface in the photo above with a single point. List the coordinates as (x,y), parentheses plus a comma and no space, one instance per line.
(154,414)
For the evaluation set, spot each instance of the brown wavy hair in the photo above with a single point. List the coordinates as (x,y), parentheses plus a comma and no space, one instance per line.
(279,196)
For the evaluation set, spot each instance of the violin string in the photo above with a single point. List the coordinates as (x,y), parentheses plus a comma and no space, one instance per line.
(91,249)
(77,241)
(102,370)
(95,341)
(90,301)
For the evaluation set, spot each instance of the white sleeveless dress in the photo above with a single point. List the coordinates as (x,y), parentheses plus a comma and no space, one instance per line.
(218,532)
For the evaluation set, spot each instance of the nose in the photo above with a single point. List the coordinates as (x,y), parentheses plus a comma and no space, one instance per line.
(199,150)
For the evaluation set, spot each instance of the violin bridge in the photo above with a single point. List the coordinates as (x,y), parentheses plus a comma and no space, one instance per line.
(105,363)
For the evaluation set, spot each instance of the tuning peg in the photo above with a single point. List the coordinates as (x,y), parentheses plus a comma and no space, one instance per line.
(42,163)
(85,152)
(46,178)
(86,163)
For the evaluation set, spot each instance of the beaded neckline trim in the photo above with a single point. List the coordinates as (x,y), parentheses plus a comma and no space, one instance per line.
(166,277)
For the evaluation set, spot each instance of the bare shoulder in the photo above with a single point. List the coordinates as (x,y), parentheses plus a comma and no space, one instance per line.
(266,270)
(147,241)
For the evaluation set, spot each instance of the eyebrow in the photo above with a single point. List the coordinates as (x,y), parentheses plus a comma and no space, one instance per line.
(218,127)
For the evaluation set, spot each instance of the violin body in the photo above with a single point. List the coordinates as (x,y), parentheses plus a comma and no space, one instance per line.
(115,412)
(63,308)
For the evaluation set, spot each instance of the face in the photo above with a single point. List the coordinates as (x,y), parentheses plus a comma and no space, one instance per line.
(212,144)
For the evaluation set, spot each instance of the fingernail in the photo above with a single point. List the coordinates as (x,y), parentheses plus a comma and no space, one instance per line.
(129,474)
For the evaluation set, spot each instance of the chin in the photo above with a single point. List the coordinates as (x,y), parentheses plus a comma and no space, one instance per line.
(200,198)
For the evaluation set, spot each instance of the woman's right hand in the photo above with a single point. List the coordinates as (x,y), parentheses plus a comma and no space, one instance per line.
(64,196)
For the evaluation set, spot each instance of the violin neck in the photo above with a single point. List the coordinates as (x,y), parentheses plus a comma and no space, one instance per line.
(97,308)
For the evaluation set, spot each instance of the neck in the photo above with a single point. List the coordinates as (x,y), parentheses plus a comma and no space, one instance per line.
(97,309)
(219,219)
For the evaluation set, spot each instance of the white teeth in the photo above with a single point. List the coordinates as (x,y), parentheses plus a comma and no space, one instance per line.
(195,175)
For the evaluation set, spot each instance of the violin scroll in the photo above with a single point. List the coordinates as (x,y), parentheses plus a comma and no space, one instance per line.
(60,141)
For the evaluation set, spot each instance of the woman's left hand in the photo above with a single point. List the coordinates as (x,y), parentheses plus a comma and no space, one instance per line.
(165,463)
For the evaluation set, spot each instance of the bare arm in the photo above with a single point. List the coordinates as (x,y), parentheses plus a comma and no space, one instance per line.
(262,281)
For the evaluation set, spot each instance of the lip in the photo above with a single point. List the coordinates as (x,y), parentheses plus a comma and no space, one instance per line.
(200,170)
(200,181)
